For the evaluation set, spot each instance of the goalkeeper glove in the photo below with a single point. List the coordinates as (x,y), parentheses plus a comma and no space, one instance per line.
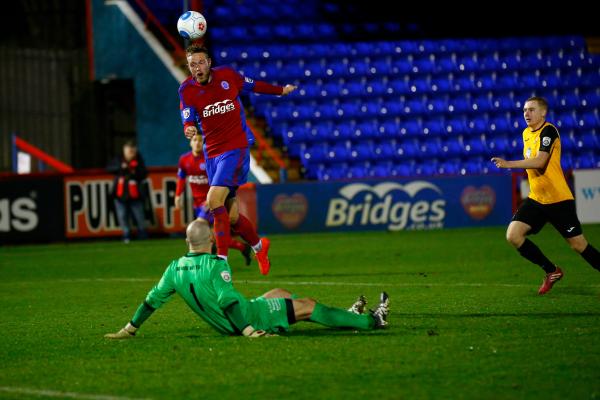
(126,333)
(250,332)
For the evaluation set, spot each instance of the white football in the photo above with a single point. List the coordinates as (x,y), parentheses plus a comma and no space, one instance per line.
(191,25)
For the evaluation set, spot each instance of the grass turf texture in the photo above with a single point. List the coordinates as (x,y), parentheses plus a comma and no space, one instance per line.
(465,322)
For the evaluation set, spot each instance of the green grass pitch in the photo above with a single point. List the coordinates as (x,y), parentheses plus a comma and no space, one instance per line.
(465,322)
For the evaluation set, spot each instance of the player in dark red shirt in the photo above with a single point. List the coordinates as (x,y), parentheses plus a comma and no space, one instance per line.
(193,167)
(210,105)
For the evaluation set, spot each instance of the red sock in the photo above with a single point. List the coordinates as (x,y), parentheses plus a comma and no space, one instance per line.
(246,230)
(222,235)
(236,244)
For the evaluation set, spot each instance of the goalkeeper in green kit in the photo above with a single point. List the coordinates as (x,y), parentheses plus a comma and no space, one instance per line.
(205,283)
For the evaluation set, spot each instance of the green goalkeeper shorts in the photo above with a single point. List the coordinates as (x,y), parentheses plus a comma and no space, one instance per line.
(270,315)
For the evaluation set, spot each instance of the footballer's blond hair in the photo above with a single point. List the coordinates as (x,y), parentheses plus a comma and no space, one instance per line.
(542,102)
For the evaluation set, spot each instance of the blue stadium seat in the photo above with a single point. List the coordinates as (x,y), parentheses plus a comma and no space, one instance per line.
(503,103)
(434,127)
(427,168)
(490,62)
(476,146)
(567,121)
(566,161)
(500,125)
(341,131)
(283,31)
(361,151)
(587,142)
(590,120)
(477,126)
(389,129)
(407,149)
(437,106)
(455,126)
(402,170)
(370,109)
(467,63)
(315,154)
(423,66)
(550,81)
(452,147)
(590,99)
(446,63)
(459,105)
(499,144)
(471,167)
(357,172)
(449,167)
(315,134)
(486,82)
(410,128)
(383,151)
(333,173)
(380,170)
(567,143)
(441,85)
(295,135)
(481,104)
(400,86)
(430,148)
(586,160)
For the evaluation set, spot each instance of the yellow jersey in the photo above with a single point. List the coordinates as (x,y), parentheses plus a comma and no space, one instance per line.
(547,185)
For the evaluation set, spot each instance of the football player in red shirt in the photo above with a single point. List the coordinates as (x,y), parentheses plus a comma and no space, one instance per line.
(193,168)
(210,105)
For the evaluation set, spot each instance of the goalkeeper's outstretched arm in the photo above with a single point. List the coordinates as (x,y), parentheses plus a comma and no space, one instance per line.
(143,312)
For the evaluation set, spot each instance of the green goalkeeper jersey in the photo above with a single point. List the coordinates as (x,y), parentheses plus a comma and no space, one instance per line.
(204,281)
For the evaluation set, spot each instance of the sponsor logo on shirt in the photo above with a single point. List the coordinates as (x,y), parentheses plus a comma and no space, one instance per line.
(198,179)
(226,276)
(546,141)
(225,85)
(220,107)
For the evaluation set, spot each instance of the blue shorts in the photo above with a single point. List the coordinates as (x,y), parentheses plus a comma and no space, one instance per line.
(204,213)
(229,169)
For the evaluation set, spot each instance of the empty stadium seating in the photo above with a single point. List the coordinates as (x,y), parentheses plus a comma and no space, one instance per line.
(406,107)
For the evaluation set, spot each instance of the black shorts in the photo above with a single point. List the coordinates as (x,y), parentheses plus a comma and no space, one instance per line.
(561,215)
(291,315)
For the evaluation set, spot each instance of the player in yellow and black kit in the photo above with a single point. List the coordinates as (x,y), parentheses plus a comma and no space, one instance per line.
(550,199)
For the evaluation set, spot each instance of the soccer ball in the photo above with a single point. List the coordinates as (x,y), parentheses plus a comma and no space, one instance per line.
(191,25)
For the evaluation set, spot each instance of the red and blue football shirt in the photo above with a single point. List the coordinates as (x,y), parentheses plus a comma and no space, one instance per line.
(194,169)
(216,109)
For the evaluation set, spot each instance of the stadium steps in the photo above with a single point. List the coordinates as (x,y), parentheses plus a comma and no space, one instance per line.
(268,163)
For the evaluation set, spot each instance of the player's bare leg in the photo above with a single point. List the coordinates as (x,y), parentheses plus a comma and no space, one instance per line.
(277,293)
(242,226)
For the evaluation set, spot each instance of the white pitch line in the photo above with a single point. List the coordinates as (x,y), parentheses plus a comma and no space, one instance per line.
(56,393)
(294,283)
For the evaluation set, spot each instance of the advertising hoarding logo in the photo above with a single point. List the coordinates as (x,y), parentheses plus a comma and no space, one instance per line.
(478,203)
(414,205)
(18,214)
(290,210)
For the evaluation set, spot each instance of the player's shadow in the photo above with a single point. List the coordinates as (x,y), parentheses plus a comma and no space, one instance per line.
(321,275)
(298,331)
(497,315)
(577,291)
